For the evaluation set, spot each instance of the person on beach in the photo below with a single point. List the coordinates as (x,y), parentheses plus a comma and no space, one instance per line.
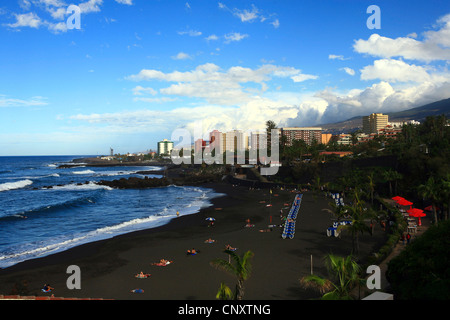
(192,252)
(47,288)
(408,238)
(162,263)
(210,241)
(142,275)
(137,291)
(403,238)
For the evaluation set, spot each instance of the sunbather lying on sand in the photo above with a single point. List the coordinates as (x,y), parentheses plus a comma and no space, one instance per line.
(137,291)
(162,263)
(210,241)
(228,247)
(142,275)
(192,251)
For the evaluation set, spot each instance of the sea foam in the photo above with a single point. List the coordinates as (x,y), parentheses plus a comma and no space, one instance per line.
(15,185)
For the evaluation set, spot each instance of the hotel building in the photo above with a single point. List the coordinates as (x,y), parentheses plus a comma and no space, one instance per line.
(307,134)
(164,147)
(374,122)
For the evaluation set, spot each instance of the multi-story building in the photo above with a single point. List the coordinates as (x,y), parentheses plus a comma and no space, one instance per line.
(235,140)
(258,139)
(200,145)
(374,122)
(326,137)
(217,141)
(164,147)
(307,134)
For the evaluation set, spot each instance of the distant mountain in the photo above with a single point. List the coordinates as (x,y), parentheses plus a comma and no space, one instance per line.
(418,114)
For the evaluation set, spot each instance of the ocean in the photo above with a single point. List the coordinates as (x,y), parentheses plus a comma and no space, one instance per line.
(36,220)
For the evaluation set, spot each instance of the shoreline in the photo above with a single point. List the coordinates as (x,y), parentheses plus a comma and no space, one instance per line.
(90,247)
(108,266)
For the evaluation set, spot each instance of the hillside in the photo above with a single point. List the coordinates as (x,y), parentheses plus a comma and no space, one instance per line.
(418,114)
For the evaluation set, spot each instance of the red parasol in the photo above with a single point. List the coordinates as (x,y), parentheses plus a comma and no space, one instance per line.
(396,198)
(417,213)
(404,202)
(429,208)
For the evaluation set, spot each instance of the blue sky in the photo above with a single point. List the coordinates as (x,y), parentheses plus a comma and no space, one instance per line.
(139,69)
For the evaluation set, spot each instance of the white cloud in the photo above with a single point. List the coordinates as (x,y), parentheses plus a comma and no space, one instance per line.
(434,46)
(216,86)
(328,106)
(57,10)
(303,77)
(337,57)
(442,36)
(181,56)
(26,20)
(128,2)
(246,15)
(407,48)
(139,90)
(348,70)
(275,23)
(212,37)
(251,15)
(235,36)
(91,6)
(14,102)
(191,33)
(57,27)
(222,6)
(394,71)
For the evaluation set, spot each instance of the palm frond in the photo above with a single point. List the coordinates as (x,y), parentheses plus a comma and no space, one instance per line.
(318,283)
(224,265)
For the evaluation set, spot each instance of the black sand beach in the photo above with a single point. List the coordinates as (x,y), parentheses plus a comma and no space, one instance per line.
(108,267)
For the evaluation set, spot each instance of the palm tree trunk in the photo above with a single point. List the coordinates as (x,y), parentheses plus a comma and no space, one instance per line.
(240,289)
(435,213)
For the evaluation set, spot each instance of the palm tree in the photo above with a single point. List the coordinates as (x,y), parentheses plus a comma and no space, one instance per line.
(392,175)
(241,268)
(358,215)
(430,190)
(224,292)
(345,274)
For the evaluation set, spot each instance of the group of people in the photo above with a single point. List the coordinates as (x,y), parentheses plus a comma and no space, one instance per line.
(406,237)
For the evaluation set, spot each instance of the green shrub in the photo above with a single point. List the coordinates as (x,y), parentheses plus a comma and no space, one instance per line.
(422,270)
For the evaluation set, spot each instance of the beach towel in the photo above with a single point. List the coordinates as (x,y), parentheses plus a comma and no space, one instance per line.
(137,291)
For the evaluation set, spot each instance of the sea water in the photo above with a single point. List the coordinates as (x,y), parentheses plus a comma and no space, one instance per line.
(36,220)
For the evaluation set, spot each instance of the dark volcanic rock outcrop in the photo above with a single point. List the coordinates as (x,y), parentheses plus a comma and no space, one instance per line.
(136,183)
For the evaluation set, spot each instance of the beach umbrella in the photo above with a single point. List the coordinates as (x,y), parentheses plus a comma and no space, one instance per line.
(429,208)
(417,213)
(404,202)
(396,198)
(210,219)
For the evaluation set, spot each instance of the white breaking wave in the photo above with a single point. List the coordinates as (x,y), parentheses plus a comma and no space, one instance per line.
(15,185)
(83,172)
(74,187)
